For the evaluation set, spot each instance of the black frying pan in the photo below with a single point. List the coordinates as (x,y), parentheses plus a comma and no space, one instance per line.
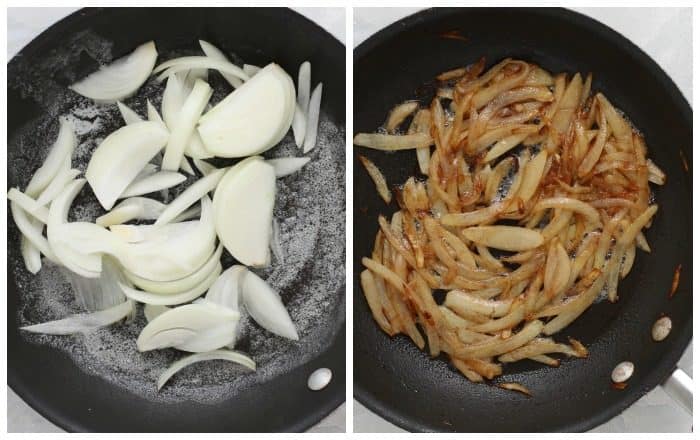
(47,378)
(402,384)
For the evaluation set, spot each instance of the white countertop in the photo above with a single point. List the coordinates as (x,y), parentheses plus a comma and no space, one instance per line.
(23,25)
(666,35)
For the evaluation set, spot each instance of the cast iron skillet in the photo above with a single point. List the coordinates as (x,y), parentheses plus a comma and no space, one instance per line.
(47,378)
(400,383)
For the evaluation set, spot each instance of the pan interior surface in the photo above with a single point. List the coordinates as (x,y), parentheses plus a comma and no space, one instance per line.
(99,381)
(408,388)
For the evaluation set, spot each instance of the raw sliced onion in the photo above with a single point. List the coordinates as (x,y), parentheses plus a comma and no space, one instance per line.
(253,118)
(121,78)
(211,338)
(182,284)
(84,322)
(29,205)
(57,184)
(226,289)
(184,127)
(88,238)
(186,167)
(189,196)
(213,52)
(285,166)
(62,148)
(191,213)
(304,87)
(195,74)
(250,69)
(173,100)
(151,311)
(188,63)
(140,208)
(129,116)
(222,355)
(192,318)
(243,204)
(172,298)
(152,112)
(152,183)
(275,243)
(299,126)
(139,233)
(266,307)
(312,119)
(30,253)
(32,233)
(147,170)
(204,167)
(121,156)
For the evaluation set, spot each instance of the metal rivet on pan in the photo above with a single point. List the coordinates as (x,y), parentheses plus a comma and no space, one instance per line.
(319,379)
(661,329)
(622,372)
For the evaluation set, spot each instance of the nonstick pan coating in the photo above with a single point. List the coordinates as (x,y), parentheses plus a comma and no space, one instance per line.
(47,378)
(403,385)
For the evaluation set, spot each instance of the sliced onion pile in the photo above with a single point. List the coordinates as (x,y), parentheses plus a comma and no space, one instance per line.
(173,266)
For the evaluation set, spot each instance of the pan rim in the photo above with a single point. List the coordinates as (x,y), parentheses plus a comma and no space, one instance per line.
(68,422)
(405,420)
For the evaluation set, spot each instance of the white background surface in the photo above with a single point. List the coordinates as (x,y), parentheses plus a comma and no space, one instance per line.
(23,25)
(665,34)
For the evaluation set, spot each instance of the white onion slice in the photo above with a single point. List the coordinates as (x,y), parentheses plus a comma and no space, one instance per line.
(304,87)
(266,308)
(252,118)
(299,126)
(29,205)
(147,170)
(189,196)
(213,52)
(121,78)
(211,338)
(251,69)
(191,213)
(186,120)
(195,147)
(172,298)
(30,253)
(62,148)
(223,355)
(285,166)
(152,183)
(84,322)
(140,208)
(204,167)
(275,242)
(60,180)
(139,233)
(226,289)
(188,63)
(312,118)
(193,318)
(195,74)
(173,97)
(121,156)
(243,204)
(182,284)
(129,116)
(32,233)
(151,311)
(152,113)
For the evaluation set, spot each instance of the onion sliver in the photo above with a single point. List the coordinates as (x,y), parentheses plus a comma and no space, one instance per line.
(31,233)
(188,63)
(189,196)
(191,213)
(204,167)
(129,116)
(56,186)
(151,311)
(121,156)
(266,308)
(243,204)
(121,78)
(152,183)
(29,205)
(251,69)
(304,87)
(62,148)
(30,253)
(139,233)
(299,126)
(213,52)
(221,355)
(275,242)
(184,127)
(140,208)
(172,298)
(226,289)
(253,118)
(312,118)
(84,322)
(194,318)
(285,166)
(152,113)
(182,284)
(210,339)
